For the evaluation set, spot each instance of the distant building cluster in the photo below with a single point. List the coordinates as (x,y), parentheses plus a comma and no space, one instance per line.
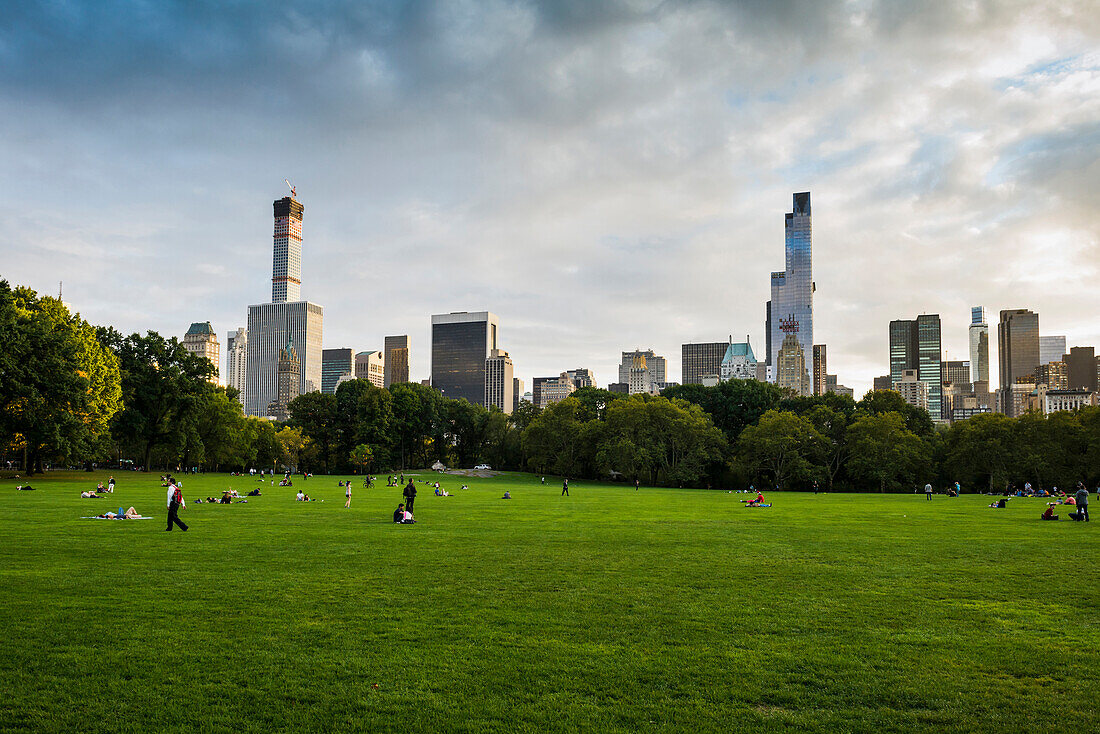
(278,355)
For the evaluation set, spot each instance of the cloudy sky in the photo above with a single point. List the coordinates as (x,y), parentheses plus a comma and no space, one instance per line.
(601,175)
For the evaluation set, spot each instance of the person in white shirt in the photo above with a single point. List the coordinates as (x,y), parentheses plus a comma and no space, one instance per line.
(175,502)
(301,497)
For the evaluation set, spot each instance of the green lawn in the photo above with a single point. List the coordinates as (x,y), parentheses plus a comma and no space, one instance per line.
(610,610)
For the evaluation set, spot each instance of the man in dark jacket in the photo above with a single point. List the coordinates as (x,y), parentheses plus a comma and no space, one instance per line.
(410,495)
(1082,499)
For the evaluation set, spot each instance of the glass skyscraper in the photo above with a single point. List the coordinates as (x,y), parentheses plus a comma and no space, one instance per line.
(915,345)
(461,342)
(791,309)
(979,345)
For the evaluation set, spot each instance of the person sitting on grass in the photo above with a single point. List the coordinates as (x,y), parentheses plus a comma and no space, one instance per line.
(300,497)
(1069,501)
(507,496)
(402,516)
(758,501)
(226,498)
(1049,514)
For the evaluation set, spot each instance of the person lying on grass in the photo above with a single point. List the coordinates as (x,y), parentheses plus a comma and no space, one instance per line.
(130,514)
(999,504)
(89,495)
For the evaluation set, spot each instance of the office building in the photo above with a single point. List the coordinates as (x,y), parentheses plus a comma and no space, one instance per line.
(582,378)
(791,366)
(289,373)
(1053,401)
(1051,348)
(370,366)
(236,361)
(700,360)
(556,389)
(517,393)
(738,362)
(642,371)
(915,345)
(287,319)
(619,388)
(1018,355)
(883,383)
(956,373)
(396,359)
(1014,400)
(1052,375)
(979,345)
(499,381)
(1081,368)
(821,369)
(791,308)
(201,341)
(831,385)
(461,342)
(335,363)
(914,390)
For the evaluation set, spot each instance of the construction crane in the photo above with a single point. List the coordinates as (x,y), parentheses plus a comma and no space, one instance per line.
(293,191)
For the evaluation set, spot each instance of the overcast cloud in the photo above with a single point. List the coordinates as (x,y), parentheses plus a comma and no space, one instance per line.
(603,176)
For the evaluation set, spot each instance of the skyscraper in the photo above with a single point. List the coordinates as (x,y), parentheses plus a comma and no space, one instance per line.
(642,371)
(461,342)
(820,369)
(979,345)
(791,366)
(236,361)
(517,393)
(700,360)
(956,372)
(201,341)
(288,370)
(499,382)
(791,309)
(1051,348)
(1018,353)
(335,363)
(582,377)
(915,345)
(396,359)
(286,319)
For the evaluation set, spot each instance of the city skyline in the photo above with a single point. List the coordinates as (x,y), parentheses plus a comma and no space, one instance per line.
(550,165)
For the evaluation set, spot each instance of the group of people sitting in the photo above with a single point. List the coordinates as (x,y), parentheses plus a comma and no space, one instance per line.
(303,497)
(227,498)
(403,516)
(92,494)
(440,492)
(757,501)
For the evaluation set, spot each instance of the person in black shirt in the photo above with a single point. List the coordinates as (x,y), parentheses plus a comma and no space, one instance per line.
(399,514)
(410,495)
(565,488)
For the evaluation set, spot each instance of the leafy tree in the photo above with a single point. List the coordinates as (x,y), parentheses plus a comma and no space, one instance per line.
(595,401)
(361,456)
(876,402)
(523,415)
(783,446)
(553,441)
(163,390)
(883,450)
(733,404)
(291,444)
(833,426)
(315,413)
(418,421)
(979,451)
(466,427)
(59,387)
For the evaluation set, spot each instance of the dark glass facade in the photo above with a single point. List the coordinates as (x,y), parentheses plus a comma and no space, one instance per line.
(459,351)
(335,363)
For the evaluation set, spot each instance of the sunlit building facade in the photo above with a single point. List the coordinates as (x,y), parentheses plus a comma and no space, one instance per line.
(791,308)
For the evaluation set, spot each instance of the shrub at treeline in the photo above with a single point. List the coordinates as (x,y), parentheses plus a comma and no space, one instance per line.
(73,393)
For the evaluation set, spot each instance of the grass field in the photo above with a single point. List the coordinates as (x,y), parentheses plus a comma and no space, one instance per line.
(610,610)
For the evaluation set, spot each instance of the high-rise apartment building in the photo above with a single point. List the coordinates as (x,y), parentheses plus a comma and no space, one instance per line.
(370,366)
(499,382)
(1051,348)
(791,309)
(1017,355)
(201,341)
(883,383)
(1053,375)
(396,351)
(979,345)
(914,390)
(461,342)
(335,363)
(1081,368)
(286,319)
(915,345)
(791,366)
(700,360)
(236,361)
(820,369)
(642,371)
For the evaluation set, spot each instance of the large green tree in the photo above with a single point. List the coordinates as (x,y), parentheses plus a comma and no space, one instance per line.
(316,414)
(59,387)
(882,450)
(782,447)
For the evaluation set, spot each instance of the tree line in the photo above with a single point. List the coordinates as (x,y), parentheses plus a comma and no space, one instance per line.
(72,393)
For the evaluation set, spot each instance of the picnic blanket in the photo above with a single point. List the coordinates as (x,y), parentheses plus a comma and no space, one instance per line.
(144,517)
(768,505)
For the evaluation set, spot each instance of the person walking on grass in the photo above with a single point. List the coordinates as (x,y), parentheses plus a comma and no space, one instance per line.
(635,484)
(1082,499)
(928,492)
(565,488)
(410,495)
(347,493)
(175,501)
